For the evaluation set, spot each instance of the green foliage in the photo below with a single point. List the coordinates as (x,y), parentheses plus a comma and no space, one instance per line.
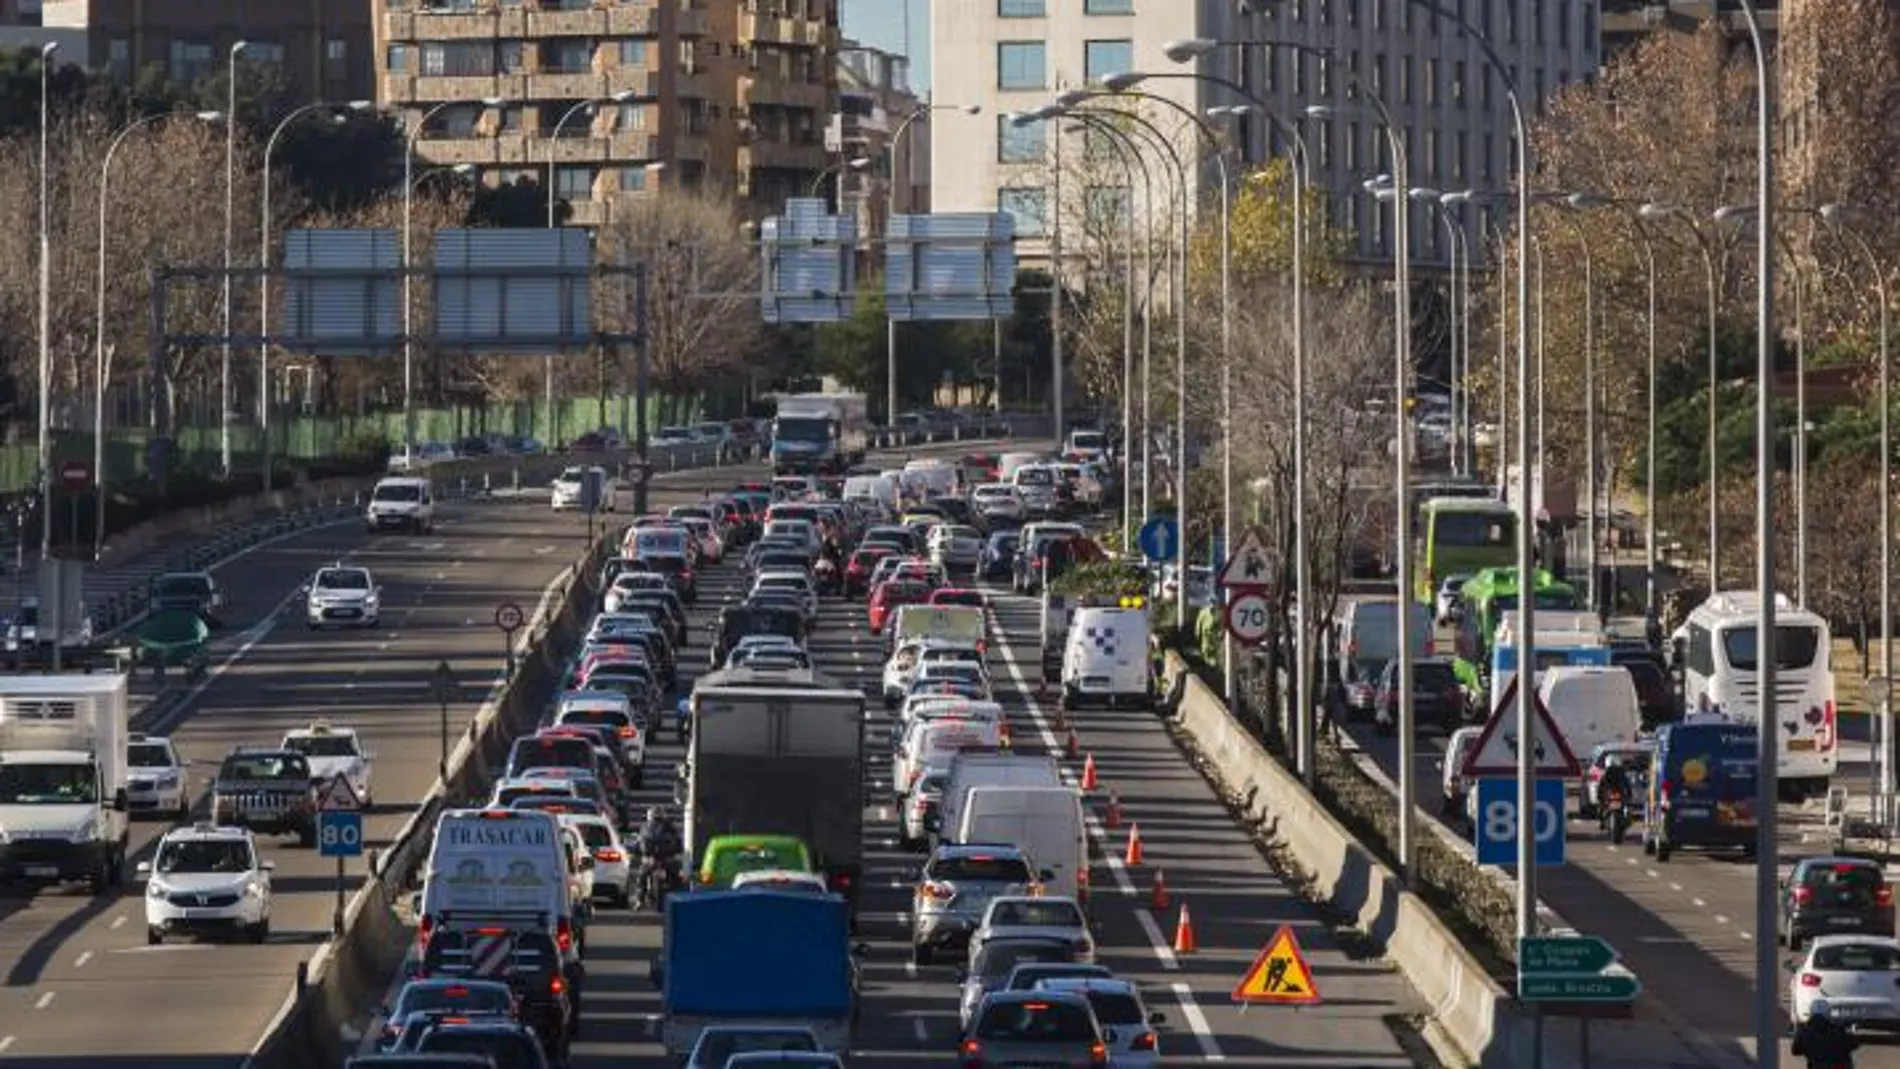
(521,203)
(1108,579)
(1260,232)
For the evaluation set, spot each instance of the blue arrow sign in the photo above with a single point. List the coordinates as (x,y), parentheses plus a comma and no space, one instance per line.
(339,833)
(1159,537)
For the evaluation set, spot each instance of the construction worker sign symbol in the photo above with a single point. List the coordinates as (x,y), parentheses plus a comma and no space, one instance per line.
(1280,975)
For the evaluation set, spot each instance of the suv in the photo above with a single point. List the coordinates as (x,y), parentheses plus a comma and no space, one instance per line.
(344,596)
(956,887)
(401,502)
(206,879)
(1832,895)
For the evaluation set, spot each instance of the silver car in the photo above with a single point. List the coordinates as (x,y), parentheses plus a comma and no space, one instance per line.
(954,547)
(954,890)
(1127,1027)
(1039,916)
(1022,1028)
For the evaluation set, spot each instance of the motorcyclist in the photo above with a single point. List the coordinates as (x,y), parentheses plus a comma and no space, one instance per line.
(1614,782)
(659,839)
(1823,1041)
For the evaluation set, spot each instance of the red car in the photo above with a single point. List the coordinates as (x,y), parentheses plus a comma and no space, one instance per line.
(891,594)
(857,572)
(956,595)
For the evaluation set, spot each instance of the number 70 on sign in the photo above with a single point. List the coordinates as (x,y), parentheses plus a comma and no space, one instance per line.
(1247,614)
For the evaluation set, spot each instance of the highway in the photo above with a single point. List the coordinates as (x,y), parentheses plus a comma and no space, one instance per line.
(910,1012)
(1686,928)
(81,983)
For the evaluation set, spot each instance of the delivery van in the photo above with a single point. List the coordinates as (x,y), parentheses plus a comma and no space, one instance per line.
(500,868)
(970,769)
(1591,704)
(1106,659)
(1044,822)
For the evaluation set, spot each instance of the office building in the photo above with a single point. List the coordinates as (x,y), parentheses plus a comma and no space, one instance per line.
(1627,22)
(616,99)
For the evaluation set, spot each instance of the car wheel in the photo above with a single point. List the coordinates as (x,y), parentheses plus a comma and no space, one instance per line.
(921,954)
(154,935)
(259,932)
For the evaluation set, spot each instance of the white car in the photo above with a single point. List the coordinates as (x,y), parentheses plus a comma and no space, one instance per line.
(613,864)
(1127,1026)
(674,437)
(334,752)
(1448,593)
(344,596)
(998,503)
(791,880)
(1047,916)
(156,779)
(795,583)
(205,879)
(1088,489)
(569,493)
(1858,976)
(954,547)
(901,670)
(706,537)
(1086,445)
(628,583)
(402,461)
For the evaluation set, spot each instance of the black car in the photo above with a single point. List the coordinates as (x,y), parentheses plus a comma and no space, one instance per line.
(445,997)
(1655,694)
(998,560)
(678,571)
(737,621)
(1437,696)
(1835,895)
(511,1044)
(547,995)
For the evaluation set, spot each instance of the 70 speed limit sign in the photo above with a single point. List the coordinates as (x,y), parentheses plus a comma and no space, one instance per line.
(1247,617)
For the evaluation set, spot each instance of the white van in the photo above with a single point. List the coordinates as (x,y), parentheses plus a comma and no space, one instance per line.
(505,868)
(401,502)
(871,488)
(971,769)
(1009,463)
(1369,636)
(1591,705)
(1106,659)
(1043,822)
(935,477)
(933,742)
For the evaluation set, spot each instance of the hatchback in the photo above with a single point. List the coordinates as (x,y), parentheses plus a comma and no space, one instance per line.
(956,887)
(1127,1027)
(1041,1028)
(1857,975)
(1825,895)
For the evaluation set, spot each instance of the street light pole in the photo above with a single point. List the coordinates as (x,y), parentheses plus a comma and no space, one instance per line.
(1657,211)
(230,221)
(46,304)
(1651,610)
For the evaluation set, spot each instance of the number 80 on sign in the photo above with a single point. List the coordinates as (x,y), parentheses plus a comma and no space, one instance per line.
(1497,821)
(339,834)
(1246,617)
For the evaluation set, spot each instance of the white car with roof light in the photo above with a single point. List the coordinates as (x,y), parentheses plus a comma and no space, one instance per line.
(156,777)
(207,879)
(343,596)
(334,753)
(613,864)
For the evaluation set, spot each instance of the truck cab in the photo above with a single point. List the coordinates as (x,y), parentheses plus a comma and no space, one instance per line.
(64,809)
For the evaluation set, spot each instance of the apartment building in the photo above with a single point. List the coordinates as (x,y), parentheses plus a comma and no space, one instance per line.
(879,119)
(323,46)
(1628,22)
(615,98)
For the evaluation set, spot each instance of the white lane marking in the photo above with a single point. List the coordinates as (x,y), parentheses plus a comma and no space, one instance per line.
(1164,951)
(1719,919)
(44,1001)
(118,922)
(917,1029)
(1630,860)
(164,948)
(1675,887)
(80,962)
(1203,1034)
(5,1042)
(1747,935)
(1653,874)
(910,970)
(1699,904)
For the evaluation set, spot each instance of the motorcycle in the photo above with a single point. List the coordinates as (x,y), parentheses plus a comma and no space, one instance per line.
(1616,814)
(827,578)
(657,879)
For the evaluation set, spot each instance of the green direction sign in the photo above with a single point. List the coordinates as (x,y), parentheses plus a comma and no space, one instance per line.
(1563,954)
(1603,987)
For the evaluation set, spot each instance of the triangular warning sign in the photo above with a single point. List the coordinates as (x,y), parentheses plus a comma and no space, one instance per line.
(337,795)
(1247,565)
(1495,752)
(1279,975)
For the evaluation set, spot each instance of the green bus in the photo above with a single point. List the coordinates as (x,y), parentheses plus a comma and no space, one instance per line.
(1461,536)
(1486,597)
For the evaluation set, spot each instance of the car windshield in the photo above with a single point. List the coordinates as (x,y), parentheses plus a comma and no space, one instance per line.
(715,1047)
(597,836)
(555,803)
(1842,877)
(1044,913)
(1035,477)
(148,755)
(475,998)
(322,745)
(343,579)
(48,784)
(510,1050)
(1857,957)
(616,718)
(203,855)
(397,492)
(1091,440)
(1036,1022)
(264,766)
(1433,677)
(988,868)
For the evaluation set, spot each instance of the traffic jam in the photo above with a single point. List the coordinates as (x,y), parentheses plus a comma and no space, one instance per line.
(785,684)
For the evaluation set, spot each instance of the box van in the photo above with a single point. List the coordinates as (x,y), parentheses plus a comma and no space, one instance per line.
(1106,659)
(871,488)
(400,503)
(1702,787)
(1043,822)
(500,868)
(1591,704)
(1369,636)
(970,769)
(934,477)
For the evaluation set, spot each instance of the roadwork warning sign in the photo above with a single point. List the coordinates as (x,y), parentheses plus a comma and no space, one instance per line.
(1280,975)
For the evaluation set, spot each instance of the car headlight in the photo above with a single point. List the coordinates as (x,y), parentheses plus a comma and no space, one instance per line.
(256,889)
(87,832)
(155,889)
(168,779)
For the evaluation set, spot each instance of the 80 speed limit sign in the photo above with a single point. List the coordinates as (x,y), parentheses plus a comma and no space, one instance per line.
(1247,617)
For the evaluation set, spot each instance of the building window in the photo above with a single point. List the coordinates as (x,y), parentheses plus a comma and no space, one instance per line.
(511,118)
(1458,83)
(1378,69)
(1431,153)
(264,51)
(336,52)
(1108,204)
(1489,160)
(1021,65)
(1325,143)
(1028,206)
(1325,76)
(1108,7)
(1103,58)
(189,61)
(1431,81)
(1352,146)
(1270,65)
(398,59)
(632,117)
(574,183)
(1352,12)
(567,56)
(1021,9)
(119,57)
(1405,78)
(508,56)
(1563,28)
(1020,144)
(633,179)
(633,53)
(1459,147)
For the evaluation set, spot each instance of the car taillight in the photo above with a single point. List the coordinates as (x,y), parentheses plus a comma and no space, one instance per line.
(564,935)
(1666,788)
(1810,979)
(1596,773)
(557,985)
(934,890)
(1803,895)
(1144,1041)
(972,1052)
(840,881)
(609,855)
(1883,896)
(1098,1054)
(629,733)
(424,930)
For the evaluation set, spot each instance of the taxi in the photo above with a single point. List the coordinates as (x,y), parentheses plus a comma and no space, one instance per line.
(334,752)
(207,879)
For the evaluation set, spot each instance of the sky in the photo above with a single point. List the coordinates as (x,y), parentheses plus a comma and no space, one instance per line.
(881,23)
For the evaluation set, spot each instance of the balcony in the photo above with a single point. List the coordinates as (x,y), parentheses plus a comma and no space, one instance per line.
(642,82)
(816,34)
(568,85)
(764,90)
(627,20)
(690,22)
(632,146)
(582,22)
(430,89)
(691,147)
(476,148)
(454,25)
(766,29)
(781,156)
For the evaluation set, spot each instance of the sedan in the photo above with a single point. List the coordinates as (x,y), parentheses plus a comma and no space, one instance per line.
(955,547)
(998,503)
(613,863)
(1045,1028)
(1127,1026)
(1858,976)
(795,583)
(1036,917)
(455,996)
(1835,894)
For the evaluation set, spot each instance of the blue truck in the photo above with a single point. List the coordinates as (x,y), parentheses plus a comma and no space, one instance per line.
(765,958)
(819,432)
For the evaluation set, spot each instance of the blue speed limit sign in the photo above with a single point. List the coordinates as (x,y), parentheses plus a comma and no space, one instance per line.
(1496,823)
(339,834)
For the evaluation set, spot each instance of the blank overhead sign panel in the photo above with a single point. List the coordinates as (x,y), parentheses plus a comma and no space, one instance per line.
(950,265)
(809,264)
(514,291)
(343,292)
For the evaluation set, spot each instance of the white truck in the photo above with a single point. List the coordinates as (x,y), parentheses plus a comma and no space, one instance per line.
(974,768)
(63,805)
(819,432)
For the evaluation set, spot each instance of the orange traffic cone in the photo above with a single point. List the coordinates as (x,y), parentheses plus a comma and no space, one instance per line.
(1133,857)
(1089,781)
(1112,816)
(1073,747)
(1184,942)
(1158,900)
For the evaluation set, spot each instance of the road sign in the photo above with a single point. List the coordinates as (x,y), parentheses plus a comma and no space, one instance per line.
(1496,826)
(1603,987)
(443,686)
(1159,537)
(338,796)
(339,834)
(1246,616)
(1280,975)
(1495,751)
(1564,954)
(75,474)
(508,616)
(1247,568)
